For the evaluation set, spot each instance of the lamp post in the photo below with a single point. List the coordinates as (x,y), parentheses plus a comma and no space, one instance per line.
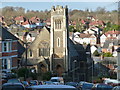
(26,47)
(118,63)
(74,69)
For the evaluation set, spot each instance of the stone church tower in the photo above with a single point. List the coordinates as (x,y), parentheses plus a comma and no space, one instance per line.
(59,40)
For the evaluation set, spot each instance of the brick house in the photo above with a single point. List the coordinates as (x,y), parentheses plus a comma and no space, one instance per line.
(20,19)
(8,50)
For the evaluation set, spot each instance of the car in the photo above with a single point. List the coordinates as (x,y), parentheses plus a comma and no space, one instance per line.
(14,80)
(81,83)
(13,86)
(102,86)
(34,82)
(51,87)
(49,83)
(116,88)
(57,80)
(75,84)
(87,86)
(25,83)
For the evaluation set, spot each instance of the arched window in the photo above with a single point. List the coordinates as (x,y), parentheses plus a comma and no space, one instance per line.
(58,42)
(30,53)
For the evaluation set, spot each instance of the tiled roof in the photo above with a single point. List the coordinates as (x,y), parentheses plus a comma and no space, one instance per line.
(82,35)
(35,19)
(97,23)
(26,22)
(4,34)
(112,32)
(20,18)
(107,42)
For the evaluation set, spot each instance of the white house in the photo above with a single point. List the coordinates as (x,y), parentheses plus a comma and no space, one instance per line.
(93,39)
(102,39)
(89,31)
(93,48)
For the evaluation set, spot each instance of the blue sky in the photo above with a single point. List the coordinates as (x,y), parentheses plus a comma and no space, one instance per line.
(71,5)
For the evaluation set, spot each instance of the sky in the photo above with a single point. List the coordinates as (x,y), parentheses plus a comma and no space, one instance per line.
(37,5)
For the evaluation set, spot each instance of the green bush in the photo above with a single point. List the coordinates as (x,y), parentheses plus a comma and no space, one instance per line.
(96,53)
(108,54)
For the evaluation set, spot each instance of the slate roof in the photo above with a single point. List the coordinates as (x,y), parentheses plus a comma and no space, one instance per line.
(4,34)
(107,42)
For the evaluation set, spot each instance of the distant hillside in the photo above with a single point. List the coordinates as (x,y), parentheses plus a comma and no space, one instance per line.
(10,13)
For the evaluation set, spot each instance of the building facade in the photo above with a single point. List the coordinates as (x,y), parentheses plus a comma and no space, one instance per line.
(8,50)
(59,39)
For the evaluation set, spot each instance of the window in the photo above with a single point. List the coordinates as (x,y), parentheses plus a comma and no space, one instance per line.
(30,53)
(6,63)
(58,42)
(44,51)
(58,24)
(6,46)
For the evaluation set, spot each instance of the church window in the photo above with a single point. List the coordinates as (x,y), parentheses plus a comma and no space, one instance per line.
(57,24)
(30,53)
(58,42)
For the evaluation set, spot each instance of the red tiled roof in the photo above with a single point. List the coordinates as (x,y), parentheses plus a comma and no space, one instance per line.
(20,18)
(97,23)
(82,35)
(26,22)
(112,32)
(35,19)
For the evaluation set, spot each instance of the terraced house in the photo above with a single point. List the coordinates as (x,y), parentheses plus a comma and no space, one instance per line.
(8,50)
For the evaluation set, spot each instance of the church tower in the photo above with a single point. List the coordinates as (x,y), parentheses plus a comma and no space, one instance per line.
(59,40)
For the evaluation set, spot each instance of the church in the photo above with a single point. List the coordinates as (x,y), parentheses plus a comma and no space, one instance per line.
(53,50)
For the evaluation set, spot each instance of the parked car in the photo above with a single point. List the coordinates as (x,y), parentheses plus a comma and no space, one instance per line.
(75,84)
(15,80)
(51,87)
(34,82)
(102,87)
(81,83)
(13,86)
(25,83)
(49,83)
(116,88)
(87,86)
(57,80)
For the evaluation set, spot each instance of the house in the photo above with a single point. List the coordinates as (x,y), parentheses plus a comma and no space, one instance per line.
(20,19)
(28,24)
(111,46)
(83,38)
(102,39)
(90,31)
(8,50)
(112,34)
(37,21)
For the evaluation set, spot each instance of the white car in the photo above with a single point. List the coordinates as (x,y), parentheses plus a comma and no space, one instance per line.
(57,80)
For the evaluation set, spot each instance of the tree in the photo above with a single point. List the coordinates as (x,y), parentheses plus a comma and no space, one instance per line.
(101,10)
(96,53)
(108,54)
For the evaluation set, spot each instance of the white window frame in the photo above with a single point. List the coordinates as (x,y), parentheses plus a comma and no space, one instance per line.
(8,46)
(8,63)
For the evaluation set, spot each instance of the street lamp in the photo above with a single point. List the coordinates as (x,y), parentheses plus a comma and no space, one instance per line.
(74,69)
(118,63)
